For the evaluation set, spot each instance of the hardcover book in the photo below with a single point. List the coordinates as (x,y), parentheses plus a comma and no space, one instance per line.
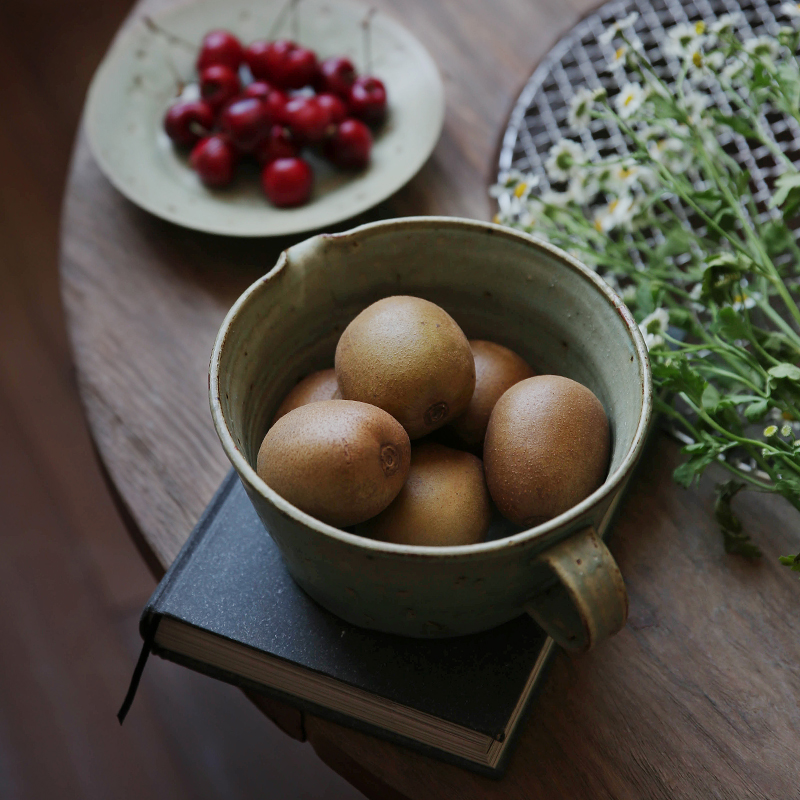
(228,608)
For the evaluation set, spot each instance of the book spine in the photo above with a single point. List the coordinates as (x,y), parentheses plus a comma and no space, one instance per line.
(148,622)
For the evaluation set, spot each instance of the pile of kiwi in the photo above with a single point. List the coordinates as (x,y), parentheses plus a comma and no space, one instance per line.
(387,442)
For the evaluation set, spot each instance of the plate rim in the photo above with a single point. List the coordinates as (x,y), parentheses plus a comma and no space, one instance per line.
(126,36)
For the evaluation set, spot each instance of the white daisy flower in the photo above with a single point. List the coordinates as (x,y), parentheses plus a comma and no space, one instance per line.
(653,325)
(694,105)
(726,23)
(582,105)
(791,10)
(672,153)
(629,100)
(682,37)
(623,175)
(620,25)
(762,47)
(696,293)
(516,183)
(619,59)
(583,187)
(564,159)
(617,214)
(744,299)
(557,199)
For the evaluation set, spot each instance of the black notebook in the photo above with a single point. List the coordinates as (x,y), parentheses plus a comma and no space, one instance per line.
(228,608)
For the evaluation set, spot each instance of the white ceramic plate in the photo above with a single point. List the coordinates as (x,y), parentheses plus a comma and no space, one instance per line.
(140,76)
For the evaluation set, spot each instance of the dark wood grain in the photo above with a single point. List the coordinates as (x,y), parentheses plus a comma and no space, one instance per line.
(71,582)
(696,698)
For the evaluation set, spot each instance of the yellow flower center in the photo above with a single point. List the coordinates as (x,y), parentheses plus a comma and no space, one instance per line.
(625,172)
(628,99)
(699,27)
(520,190)
(496,219)
(620,52)
(598,226)
(697,59)
(612,205)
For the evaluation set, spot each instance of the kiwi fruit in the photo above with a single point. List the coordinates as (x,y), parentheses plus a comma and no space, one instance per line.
(409,357)
(444,501)
(340,461)
(313,388)
(546,448)
(496,369)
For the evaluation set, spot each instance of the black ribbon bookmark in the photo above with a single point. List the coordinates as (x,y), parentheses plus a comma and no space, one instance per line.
(137,674)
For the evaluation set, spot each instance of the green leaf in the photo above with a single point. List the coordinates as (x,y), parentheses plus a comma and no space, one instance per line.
(686,473)
(710,398)
(789,486)
(789,81)
(735,540)
(755,411)
(785,370)
(777,237)
(787,193)
(793,562)
(761,78)
(742,181)
(731,324)
(677,242)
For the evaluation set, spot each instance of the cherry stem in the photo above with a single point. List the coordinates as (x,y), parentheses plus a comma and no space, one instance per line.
(366,27)
(278,23)
(168,35)
(295,6)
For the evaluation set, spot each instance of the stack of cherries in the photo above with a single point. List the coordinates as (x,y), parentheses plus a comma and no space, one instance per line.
(293,102)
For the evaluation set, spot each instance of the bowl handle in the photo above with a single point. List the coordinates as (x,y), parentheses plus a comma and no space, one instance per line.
(588,601)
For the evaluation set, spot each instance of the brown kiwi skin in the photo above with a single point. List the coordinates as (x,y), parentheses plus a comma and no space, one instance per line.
(496,369)
(443,502)
(546,448)
(409,357)
(317,386)
(340,461)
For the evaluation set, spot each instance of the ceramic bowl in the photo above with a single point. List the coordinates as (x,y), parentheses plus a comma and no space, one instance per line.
(500,285)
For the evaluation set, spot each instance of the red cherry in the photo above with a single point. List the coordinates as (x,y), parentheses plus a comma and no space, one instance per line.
(350,145)
(214,160)
(368,99)
(307,119)
(279,144)
(259,89)
(336,74)
(282,63)
(334,105)
(247,122)
(187,122)
(287,181)
(218,85)
(257,59)
(275,99)
(220,47)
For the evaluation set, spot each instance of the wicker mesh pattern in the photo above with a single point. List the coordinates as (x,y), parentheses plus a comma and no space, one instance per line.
(539,118)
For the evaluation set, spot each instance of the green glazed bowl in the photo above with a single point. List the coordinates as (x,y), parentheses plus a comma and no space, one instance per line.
(500,285)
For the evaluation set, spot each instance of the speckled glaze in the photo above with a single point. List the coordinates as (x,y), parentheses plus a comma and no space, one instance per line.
(499,285)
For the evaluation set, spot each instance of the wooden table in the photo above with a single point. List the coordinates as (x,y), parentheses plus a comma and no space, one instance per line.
(696,698)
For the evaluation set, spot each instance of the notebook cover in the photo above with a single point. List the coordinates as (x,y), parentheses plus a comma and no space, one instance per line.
(230,580)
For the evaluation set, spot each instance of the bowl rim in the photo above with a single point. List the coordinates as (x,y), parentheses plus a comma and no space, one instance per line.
(563,521)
